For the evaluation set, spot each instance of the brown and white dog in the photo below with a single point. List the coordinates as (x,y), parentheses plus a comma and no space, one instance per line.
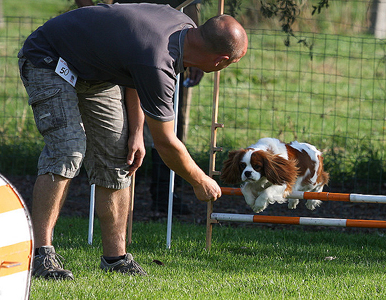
(270,170)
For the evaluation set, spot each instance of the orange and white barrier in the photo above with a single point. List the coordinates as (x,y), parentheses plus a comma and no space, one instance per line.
(16,244)
(298,220)
(323,196)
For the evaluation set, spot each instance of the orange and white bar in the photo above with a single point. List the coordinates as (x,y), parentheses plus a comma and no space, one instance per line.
(298,220)
(15,245)
(324,196)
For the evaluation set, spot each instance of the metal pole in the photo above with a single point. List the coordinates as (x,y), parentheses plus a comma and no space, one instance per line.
(172,174)
(91,214)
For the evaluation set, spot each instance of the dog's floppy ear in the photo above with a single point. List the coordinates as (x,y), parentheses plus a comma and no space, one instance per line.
(279,170)
(230,172)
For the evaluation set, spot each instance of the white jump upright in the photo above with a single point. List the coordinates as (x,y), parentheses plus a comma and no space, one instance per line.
(91,215)
(172,174)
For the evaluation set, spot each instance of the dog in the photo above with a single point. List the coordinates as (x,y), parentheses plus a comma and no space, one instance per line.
(270,170)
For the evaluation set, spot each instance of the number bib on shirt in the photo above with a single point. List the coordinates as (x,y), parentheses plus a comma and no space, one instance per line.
(64,71)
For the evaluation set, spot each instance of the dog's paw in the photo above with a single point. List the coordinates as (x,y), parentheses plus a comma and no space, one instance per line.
(258,210)
(259,207)
(312,204)
(292,203)
(279,199)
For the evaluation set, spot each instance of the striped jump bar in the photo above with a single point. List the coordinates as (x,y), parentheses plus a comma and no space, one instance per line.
(324,196)
(298,220)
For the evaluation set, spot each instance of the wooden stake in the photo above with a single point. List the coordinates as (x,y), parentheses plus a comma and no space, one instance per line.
(213,148)
(131,209)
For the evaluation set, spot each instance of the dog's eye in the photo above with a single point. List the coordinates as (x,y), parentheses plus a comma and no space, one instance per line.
(242,166)
(257,167)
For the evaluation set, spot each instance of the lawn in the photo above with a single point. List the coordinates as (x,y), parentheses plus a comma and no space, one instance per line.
(332,96)
(34,8)
(244,263)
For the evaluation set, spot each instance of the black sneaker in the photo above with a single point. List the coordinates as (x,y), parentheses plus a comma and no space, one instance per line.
(47,264)
(127,265)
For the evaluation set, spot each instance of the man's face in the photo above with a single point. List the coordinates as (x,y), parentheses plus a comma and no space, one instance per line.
(225,63)
(212,66)
(217,63)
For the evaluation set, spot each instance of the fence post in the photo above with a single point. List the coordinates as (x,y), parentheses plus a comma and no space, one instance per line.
(213,147)
(378,18)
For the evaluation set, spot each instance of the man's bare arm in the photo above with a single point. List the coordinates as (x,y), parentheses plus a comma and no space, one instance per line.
(175,155)
(136,119)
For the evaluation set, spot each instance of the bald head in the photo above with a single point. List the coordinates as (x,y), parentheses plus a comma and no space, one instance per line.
(224,35)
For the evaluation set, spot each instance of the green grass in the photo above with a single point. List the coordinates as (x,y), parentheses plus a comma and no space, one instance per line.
(35,8)
(244,263)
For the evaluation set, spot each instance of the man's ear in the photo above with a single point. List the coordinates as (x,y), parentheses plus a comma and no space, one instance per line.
(220,59)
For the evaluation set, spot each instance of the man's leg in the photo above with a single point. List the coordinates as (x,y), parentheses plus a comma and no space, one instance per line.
(49,194)
(48,197)
(105,121)
(112,208)
(54,103)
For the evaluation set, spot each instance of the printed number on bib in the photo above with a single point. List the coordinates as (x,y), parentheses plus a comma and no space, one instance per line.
(64,71)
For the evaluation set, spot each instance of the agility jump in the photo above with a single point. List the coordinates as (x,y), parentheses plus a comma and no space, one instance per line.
(213,218)
(323,196)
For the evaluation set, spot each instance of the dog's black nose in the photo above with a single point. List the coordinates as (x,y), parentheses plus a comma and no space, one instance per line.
(247,174)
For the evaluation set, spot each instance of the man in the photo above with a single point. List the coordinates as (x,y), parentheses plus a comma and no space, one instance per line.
(80,104)
(160,175)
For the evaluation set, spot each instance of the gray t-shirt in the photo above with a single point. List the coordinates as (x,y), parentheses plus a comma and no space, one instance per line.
(134,45)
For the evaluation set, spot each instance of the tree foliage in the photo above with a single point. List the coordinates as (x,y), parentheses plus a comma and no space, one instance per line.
(287,11)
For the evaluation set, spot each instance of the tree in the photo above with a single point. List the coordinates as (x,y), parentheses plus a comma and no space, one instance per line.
(287,11)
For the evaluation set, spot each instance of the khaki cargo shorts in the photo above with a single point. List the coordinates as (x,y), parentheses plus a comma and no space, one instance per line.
(86,124)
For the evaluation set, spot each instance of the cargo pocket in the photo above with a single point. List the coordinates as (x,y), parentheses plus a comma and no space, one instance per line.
(48,110)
